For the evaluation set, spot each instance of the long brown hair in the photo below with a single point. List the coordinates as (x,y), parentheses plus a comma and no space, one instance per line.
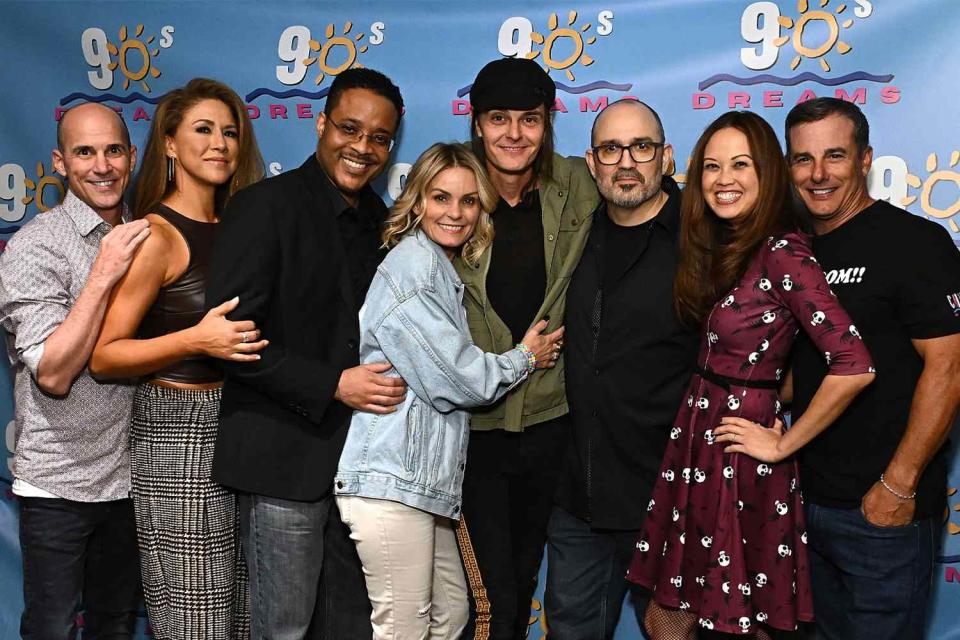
(542,163)
(152,185)
(713,253)
(407,212)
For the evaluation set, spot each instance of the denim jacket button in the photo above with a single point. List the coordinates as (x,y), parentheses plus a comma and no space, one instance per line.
(339,484)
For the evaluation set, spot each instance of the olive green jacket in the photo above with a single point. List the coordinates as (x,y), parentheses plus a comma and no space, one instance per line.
(567,201)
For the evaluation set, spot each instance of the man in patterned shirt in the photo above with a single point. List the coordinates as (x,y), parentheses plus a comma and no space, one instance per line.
(71,464)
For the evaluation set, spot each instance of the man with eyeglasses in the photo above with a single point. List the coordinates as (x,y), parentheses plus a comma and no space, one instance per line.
(628,359)
(300,250)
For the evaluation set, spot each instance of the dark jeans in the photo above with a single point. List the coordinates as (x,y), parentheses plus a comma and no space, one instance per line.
(585,578)
(508,489)
(869,582)
(78,555)
(287,544)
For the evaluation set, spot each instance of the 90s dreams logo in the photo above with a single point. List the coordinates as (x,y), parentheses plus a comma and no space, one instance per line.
(564,51)
(936,189)
(305,58)
(18,191)
(132,60)
(810,39)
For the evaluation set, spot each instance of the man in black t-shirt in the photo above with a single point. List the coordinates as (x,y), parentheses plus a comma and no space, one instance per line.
(875,481)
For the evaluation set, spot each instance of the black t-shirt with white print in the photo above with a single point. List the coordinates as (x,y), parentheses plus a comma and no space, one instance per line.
(898,276)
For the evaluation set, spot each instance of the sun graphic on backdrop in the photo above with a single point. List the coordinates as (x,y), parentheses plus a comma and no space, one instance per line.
(126,47)
(926,186)
(806,17)
(43,181)
(558,33)
(951,527)
(330,44)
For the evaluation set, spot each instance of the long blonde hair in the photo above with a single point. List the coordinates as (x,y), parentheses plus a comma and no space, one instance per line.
(407,212)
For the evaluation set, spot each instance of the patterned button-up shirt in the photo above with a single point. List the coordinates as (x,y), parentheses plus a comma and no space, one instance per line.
(74,446)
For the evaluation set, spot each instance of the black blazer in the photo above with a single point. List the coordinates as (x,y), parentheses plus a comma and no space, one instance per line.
(278,248)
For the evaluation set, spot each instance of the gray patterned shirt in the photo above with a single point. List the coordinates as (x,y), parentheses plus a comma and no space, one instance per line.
(73,446)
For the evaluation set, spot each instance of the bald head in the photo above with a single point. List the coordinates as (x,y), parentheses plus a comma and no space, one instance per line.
(85,109)
(94,154)
(628,158)
(625,106)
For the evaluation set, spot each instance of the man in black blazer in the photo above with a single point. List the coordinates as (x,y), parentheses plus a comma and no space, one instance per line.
(300,250)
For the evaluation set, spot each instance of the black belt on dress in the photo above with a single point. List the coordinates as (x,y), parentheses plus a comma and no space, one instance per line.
(727,381)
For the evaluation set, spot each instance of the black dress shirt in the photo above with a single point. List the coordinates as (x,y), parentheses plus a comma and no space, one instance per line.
(517,279)
(628,361)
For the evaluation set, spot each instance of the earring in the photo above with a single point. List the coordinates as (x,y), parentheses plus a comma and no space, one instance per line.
(171,169)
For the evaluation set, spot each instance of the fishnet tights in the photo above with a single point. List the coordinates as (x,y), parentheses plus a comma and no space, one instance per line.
(673,624)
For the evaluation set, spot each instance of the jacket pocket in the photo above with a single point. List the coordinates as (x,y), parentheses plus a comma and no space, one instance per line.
(414,439)
(439,456)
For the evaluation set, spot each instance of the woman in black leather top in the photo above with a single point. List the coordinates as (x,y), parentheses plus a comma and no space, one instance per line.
(200,151)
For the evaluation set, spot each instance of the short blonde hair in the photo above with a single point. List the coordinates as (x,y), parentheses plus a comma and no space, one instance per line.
(407,212)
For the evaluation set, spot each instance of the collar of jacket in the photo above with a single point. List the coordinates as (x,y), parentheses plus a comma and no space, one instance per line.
(553,195)
(443,259)
(324,190)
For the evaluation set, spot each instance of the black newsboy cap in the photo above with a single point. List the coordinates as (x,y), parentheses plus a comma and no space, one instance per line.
(512,83)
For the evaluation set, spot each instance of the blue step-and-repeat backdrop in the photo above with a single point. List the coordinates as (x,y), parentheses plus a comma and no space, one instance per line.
(690,59)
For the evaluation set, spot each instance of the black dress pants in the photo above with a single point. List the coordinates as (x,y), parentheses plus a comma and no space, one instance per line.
(508,489)
(78,555)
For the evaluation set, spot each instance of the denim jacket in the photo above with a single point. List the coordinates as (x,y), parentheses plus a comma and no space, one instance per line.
(414,318)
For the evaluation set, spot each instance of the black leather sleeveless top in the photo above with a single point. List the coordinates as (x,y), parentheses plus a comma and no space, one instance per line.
(180,305)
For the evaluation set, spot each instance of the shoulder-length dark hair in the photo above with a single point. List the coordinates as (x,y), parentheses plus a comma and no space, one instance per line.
(152,185)
(713,253)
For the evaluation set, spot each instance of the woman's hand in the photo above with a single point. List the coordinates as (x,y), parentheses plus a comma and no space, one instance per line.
(546,347)
(226,339)
(751,438)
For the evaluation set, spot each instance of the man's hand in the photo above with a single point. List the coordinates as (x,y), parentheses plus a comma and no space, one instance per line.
(117,250)
(364,388)
(883,509)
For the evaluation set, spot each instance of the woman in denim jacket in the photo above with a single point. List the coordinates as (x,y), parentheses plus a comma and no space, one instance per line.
(398,485)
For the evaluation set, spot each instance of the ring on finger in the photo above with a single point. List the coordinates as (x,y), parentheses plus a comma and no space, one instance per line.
(243,336)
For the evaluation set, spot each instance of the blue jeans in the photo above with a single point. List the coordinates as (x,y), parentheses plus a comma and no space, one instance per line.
(585,578)
(285,542)
(78,555)
(869,582)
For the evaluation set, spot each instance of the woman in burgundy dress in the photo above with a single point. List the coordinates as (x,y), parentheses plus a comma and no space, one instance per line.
(724,543)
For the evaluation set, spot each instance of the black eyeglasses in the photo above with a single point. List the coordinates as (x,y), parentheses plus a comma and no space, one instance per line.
(612,152)
(353,133)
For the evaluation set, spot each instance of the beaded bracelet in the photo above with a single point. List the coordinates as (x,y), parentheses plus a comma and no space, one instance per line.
(899,495)
(529,355)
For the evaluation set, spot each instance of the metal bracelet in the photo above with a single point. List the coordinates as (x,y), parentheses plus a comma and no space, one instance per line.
(899,495)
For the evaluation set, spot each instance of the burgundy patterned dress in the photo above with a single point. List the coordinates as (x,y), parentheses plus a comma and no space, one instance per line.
(725,536)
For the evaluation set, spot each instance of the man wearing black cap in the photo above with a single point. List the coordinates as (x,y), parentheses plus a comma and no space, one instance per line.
(542,220)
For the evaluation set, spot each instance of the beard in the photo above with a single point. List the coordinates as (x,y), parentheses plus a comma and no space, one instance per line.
(628,196)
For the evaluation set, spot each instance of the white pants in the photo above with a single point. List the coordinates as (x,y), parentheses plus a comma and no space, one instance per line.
(412,567)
